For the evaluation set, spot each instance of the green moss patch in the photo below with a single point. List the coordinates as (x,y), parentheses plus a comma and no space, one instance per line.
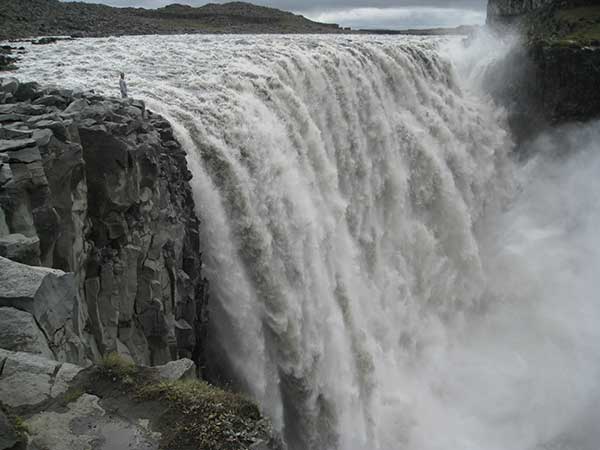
(189,414)
(584,23)
(566,26)
(201,416)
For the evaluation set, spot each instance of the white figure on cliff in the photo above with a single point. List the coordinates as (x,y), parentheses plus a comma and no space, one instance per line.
(123,86)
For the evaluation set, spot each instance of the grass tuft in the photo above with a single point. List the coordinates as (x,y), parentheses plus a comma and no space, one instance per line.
(117,366)
(206,417)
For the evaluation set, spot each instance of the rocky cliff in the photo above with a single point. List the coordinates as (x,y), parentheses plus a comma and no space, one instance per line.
(99,247)
(509,11)
(552,76)
(102,300)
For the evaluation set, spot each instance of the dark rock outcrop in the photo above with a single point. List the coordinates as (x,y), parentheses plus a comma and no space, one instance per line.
(552,77)
(7,61)
(98,189)
(502,12)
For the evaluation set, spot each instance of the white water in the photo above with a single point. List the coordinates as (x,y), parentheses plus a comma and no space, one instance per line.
(378,281)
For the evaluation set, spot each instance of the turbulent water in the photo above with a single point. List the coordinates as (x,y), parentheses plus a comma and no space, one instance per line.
(383,275)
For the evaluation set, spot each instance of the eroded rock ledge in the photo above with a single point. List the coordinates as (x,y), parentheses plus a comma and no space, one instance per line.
(45,404)
(97,190)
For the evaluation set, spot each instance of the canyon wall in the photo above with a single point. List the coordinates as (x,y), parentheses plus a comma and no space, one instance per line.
(99,239)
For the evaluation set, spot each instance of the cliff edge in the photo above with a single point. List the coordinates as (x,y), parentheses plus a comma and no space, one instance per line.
(103,305)
(99,246)
(552,77)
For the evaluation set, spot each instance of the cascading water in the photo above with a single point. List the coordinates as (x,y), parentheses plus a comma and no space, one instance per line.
(368,286)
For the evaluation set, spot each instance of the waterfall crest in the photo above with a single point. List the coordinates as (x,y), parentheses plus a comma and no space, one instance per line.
(340,187)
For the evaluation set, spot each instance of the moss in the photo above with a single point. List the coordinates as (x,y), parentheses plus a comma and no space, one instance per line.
(117,366)
(189,414)
(20,426)
(72,395)
(202,416)
(566,27)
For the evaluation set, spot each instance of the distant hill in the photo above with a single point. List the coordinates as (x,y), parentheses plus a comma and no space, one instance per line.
(30,18)
(466,30)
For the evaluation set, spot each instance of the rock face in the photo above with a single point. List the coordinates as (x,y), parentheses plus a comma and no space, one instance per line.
(28,380)
(20,332)
(98,189)
(552,77)
(50,299)
(507,11)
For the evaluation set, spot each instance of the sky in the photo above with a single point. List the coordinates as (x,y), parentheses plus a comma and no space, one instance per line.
(391,14)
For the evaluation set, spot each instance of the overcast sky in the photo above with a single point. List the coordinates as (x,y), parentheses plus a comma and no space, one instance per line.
(395,14)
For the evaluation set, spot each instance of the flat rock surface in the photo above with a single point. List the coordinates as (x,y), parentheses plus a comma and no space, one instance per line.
(87,426)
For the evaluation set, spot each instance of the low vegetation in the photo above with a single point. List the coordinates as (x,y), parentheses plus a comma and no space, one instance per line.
(115,365)
(201,416)
(190,414)
(584,24)
(558,26)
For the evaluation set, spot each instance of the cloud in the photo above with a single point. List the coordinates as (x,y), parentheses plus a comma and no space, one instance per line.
(400,18)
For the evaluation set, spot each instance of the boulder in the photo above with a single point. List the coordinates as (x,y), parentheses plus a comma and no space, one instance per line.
(27,91)
(50,100)
(182,369)
(21,333)
(21,248)
(51,297)
(26,379)
(9,85)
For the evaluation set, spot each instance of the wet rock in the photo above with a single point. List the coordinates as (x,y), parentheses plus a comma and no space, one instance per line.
(45,41)
(10,86)
(27,91)
(50,100)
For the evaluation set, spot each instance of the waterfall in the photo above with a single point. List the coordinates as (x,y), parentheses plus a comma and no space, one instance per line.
(340,189)
(369,287)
